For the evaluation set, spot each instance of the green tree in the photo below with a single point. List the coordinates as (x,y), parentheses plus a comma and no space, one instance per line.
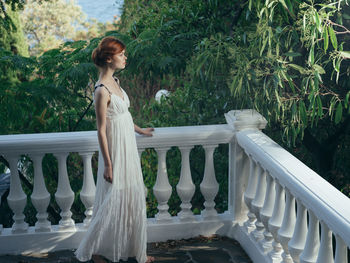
(287,59)
(291,72)
(12,38)
(48,24)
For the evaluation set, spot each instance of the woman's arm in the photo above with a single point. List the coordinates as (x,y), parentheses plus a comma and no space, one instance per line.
(101,102)
(145,131)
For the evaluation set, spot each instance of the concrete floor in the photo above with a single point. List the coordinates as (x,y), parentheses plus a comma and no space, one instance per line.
(214,249)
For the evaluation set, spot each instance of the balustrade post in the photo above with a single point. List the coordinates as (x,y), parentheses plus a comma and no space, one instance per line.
(40,196)
(16,199)
(297,243)
(1,227)
(341,250)
(258,202)
(162,189)
(309,254)
(249,194)
(87,194)
(325,254)
(209,186)
(285,233)
(140,151)
(185,188)
(64,194)
(275,222)
(238,171)
(238,166)
(266,213)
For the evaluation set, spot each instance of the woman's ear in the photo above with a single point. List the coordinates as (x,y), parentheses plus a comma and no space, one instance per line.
(109,60)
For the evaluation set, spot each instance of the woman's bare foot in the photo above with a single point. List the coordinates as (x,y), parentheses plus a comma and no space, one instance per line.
(150,259)
(98,259)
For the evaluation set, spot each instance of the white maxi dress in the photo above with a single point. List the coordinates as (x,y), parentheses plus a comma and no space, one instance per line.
(119,223)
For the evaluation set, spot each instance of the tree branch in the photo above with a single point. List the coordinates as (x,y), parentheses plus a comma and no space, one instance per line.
(347,31)
(82,116)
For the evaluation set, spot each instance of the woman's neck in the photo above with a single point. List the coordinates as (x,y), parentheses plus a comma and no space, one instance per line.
(106,73)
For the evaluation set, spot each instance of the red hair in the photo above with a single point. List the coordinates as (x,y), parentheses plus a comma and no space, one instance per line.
(107,47)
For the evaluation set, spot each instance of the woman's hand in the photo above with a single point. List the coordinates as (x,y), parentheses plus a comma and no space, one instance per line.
(108,173)
(147,131)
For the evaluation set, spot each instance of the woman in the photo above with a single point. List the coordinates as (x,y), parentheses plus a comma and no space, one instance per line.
(119,223)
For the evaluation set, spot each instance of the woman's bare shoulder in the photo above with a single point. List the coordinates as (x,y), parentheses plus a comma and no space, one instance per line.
(101,91)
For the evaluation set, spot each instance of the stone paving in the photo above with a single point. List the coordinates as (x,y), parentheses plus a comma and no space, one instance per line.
(214,249)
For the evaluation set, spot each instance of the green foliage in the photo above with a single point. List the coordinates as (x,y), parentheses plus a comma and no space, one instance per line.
(12,38)
(287,59)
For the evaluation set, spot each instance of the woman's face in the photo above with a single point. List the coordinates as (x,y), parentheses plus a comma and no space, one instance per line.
(118,61)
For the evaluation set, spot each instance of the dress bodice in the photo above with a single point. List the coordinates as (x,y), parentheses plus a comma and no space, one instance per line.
(118,105)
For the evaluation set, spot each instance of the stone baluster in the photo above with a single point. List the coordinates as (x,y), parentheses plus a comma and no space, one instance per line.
(87,194)
(140,151)
(309,254)
(162,189)
(341,250)
(275,222)
(40,196)
(258,203)
(209,186)
(1,227)
(16,199)
(185,188)
(240,120)
(249,194)
(64,194)
(266,213)
(286,231)
(325,254)
(297,243)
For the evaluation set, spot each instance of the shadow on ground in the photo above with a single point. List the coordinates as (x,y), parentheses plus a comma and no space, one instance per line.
(213,249)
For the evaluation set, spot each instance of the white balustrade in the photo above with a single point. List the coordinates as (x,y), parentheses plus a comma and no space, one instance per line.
(87,194)
(249,194)
(16,199)
(325,254)
(266,198)
(285,233)
(209,186)
(309,254)
(185,188)
(40,196)
(266,213)
(275,222)
(258,202)
(64,194)
(341,250)
(162,189)
(1,226)
(297,243)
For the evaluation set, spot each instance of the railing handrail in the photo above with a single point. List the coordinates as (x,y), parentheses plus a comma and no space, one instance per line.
(87,140)
(324,200)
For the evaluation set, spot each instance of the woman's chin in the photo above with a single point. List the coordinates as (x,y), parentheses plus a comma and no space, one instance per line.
(121,67)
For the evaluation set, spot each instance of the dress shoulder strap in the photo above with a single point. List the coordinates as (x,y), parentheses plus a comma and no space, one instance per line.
(117,80)
(102,85)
